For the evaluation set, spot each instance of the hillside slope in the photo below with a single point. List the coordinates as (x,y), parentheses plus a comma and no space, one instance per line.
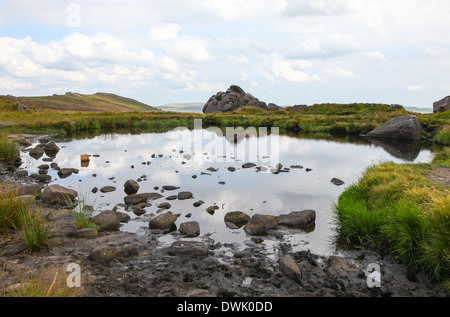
(99,102)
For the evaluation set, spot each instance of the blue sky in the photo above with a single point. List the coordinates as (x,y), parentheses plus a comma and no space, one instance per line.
(287,52)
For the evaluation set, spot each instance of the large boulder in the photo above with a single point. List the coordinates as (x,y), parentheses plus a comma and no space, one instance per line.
(58,195)
(403,128)
(233,99)
(442,105)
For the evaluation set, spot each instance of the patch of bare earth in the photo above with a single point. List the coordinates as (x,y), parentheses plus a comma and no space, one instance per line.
(440,175)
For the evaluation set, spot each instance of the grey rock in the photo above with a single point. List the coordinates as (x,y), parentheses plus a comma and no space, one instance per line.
(404,128)
(290,268)
(302,218)
(107,221)
(131,187)
(141,198)
(58,195)
(259,224)
(107,189)
(190,229)
(188,248)
(164,221)
(442,105)
(238,218)
(185,195)
(233,99)
(337,181)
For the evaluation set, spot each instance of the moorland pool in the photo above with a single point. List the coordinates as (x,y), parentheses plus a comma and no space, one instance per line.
(159,159)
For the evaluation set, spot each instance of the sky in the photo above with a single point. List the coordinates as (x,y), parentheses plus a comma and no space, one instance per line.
(288,52)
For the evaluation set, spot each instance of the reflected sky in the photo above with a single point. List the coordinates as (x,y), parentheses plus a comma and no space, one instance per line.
(114,159)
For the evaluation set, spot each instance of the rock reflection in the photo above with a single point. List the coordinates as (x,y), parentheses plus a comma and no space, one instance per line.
(403,149)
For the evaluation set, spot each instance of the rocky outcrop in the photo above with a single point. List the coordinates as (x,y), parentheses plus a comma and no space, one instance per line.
(302,218)
(403,128)
(164,221)
(233,99)
(442,105)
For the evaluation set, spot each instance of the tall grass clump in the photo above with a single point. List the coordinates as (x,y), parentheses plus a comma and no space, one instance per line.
(397,205)
(443,136)
(18,214)
(8,149)
(82,211)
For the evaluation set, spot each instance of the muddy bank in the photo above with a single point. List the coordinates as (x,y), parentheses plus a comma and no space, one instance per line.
(122,264)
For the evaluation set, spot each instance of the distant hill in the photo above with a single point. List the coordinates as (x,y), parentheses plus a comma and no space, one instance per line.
(183,107)
(419,110)
(99,102)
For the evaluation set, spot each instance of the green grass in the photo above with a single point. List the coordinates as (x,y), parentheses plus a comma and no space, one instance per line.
(8,149)
(398,205)
(17,214)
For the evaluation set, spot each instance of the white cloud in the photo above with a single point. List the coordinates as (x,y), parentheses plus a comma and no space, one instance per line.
(414,88)
(376,56)
(165,32)
(292,71)
(430,50)
(295,8)
(341,73)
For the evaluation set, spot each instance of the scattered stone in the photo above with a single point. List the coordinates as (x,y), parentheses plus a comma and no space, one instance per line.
(138,211)
(212,209)
(58,195)
(238,218)
(190,229)
(341,267)
(107,189)
(290,269)
(185,195)
(85,233)
(173,197)
(141,198)
(248,165)
(107,221)
(123,217)
(95,190)
(164,221)
(337,182)
(198,203)
(302,218)
(131,187)
(37,152)
(231,169)
(188,248)
(164,206)
(296,167)
(65,172)
(26,190)
(51,149)
(169,188)
(259,224)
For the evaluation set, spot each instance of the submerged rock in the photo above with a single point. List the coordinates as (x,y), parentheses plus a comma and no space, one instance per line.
(185,195)
(238,218)
(141,198)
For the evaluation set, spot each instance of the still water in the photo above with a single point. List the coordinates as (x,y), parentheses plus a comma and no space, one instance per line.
(179,159)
